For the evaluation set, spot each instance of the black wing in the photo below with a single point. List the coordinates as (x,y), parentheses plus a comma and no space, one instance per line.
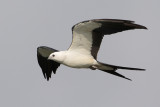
(110,26)
(46,65)
(104,27)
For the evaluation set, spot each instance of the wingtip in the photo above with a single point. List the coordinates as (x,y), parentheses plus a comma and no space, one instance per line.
(143,69)
(143,27)
(137,26)
(47,78)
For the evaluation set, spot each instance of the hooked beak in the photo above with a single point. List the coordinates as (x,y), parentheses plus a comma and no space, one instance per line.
(50,57)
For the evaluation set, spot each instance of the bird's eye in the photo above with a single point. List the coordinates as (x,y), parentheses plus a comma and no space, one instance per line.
(53,55)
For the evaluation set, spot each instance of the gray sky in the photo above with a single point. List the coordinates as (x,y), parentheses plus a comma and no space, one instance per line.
(27,24)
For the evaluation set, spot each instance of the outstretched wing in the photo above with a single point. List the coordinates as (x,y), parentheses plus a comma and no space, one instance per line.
(46,65)
(88,35)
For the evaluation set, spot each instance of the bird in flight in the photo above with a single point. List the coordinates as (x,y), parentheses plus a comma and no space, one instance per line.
(86,41)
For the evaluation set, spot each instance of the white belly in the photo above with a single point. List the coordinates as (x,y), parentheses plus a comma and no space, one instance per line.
(77,60)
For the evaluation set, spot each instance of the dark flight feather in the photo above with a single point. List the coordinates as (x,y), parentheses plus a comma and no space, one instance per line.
(47,66)
(110,26)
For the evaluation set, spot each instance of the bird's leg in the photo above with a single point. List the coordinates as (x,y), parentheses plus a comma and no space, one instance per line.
(93,67)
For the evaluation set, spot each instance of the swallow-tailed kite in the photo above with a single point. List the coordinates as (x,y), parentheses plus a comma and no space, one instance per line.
(86,41)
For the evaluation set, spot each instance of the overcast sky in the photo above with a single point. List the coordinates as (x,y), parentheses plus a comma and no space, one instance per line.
(27,24)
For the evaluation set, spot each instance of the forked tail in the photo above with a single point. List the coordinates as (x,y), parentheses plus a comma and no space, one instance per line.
(112,69)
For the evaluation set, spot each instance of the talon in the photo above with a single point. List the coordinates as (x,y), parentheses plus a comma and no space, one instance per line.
(93,67)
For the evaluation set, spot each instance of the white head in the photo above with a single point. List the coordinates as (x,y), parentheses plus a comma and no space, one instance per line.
(57,56)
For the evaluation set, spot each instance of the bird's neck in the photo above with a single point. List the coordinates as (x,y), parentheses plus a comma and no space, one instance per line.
(60,56)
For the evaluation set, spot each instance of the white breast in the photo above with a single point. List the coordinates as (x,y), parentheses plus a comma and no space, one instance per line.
(77,60)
